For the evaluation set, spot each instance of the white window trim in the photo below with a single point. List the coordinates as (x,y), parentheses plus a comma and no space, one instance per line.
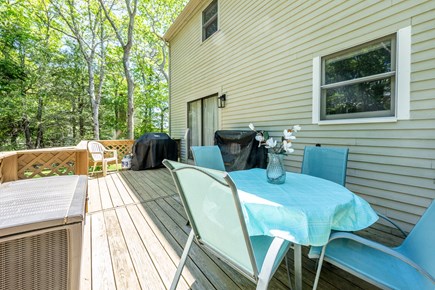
(403,85)
(316,89)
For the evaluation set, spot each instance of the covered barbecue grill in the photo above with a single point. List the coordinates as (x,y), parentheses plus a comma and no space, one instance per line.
(151,149)
(240,150)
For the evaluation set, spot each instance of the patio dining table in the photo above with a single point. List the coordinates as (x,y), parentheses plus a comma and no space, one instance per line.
(303,210)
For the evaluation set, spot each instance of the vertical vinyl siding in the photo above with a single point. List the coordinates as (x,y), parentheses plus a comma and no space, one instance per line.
(261,57)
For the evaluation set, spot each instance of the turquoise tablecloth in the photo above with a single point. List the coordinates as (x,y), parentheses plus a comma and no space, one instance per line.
(303,210)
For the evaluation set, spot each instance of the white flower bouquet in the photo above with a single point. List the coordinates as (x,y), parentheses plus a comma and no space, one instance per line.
(283,147)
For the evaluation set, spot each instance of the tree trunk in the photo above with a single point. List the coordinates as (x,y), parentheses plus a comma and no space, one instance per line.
(162,118)
(130,92)
(14,136)
(94,101)
(74,118)
(88,50)
(40,128)
(80,107)
(26,130)
(102,72)
(126,46)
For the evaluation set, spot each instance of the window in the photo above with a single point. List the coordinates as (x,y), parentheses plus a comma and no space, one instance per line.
(210,20)
(359,82)
(202,121)
(369,82)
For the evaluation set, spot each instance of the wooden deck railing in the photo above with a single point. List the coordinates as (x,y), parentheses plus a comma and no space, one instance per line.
(25,164)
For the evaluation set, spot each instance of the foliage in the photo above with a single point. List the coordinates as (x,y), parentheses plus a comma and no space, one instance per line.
(44,74)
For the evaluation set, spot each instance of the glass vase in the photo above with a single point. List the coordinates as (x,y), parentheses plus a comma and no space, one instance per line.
(275,169)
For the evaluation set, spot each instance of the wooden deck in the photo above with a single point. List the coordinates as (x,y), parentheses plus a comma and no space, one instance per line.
(135,233)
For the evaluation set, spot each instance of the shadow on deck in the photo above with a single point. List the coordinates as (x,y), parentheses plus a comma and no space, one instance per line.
(135,233)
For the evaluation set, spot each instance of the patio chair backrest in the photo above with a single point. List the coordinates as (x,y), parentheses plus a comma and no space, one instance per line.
(212,205)
(420,243)
(326,162)
(97,150)
(208,157)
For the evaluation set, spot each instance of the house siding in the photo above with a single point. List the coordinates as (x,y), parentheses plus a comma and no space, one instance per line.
(261,57)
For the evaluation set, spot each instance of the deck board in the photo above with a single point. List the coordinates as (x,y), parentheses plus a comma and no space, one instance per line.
(102,271)
(180,237)
(106,199)
(124,190)
(150,243)
(118,196)
(135,232)
(171,247)
(86,269)
(94,203)
(124,272)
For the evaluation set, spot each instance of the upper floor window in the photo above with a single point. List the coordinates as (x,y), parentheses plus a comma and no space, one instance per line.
(366,83)
(210,20)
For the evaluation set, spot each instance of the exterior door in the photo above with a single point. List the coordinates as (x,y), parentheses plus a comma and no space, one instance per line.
(202,121)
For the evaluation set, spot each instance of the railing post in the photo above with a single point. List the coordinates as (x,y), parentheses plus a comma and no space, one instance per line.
(8,167)
(82,158)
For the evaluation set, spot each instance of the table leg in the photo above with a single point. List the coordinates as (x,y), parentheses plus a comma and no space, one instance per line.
(298,266)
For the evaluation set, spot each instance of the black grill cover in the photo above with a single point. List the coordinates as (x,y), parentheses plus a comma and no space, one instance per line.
(240,149)
(151,149)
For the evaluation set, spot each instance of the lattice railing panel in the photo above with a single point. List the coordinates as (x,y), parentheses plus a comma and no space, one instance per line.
(46,164)
(123,147)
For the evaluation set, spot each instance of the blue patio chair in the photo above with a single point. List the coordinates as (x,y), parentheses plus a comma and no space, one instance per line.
(331,164)
(327,163)
(213,208)
(408,266)
(208,157)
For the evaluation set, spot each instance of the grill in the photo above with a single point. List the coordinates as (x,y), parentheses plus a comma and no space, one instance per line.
(151,149)
(240,150)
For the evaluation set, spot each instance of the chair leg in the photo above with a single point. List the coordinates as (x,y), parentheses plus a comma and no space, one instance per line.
(182,261)
(288,273)
(105,165)
(117,169)
(95,165)
(319,267)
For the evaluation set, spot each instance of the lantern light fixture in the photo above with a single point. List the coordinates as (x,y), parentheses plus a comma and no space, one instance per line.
(221,101)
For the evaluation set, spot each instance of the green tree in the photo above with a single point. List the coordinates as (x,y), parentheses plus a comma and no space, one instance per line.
(63,67)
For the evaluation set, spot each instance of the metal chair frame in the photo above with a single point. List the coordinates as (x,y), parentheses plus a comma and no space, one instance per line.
(416,255)
(260,277)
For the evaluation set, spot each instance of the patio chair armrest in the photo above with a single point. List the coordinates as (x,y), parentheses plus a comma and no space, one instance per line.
(392,222)
(114,151)
(97,153)
(381,248)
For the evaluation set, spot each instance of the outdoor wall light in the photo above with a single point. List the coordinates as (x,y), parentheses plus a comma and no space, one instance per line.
(221,101)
